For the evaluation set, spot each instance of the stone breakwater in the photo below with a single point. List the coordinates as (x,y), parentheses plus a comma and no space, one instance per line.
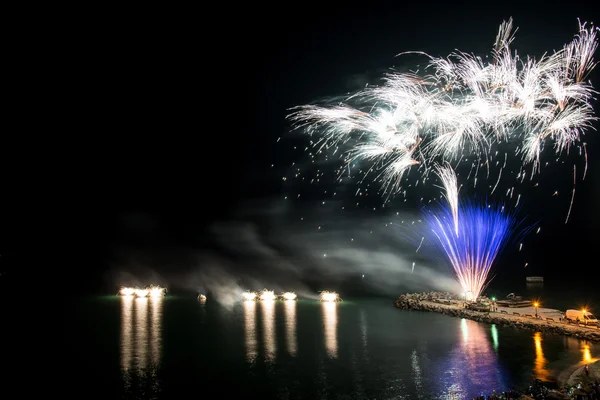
(450,304)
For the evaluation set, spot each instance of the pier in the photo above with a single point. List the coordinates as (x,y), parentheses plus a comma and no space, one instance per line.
(548,320)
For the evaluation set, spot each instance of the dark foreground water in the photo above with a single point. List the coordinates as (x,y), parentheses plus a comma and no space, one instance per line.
(175,347)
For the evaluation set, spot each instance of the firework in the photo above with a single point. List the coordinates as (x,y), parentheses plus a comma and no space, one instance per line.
(152,291)
(156,291)
(461,106)
(267,295)
(330,297)
(448,177)
(289,296)
(471,236)
(127,291)
(249,296)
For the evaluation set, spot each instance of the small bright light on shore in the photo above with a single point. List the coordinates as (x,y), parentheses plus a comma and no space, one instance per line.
(127,291)
(202,297)
(289,296)
(248,296)
(267,295)
(141,292)
(329,296)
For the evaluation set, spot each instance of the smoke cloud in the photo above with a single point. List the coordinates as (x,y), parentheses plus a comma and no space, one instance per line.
(308,249)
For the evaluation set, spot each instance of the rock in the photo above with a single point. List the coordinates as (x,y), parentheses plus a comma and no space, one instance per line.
(429,302)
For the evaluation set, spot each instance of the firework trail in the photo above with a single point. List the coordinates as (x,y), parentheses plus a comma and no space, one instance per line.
(461,106)
(471,236)
(484,231)
(448,177)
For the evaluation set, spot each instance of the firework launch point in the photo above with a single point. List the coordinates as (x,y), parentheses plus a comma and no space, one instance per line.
(547,321)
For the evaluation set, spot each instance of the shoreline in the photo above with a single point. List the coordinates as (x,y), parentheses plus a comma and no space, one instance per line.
(576,373)
(449,304)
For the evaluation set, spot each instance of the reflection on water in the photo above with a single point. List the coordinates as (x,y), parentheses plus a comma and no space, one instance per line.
(290,326)
(363,328)
(268,314)
(472,363)
(494,331)
(140,319)
(386,354)
(141,340)
(540,370)
(585,348)
(155,327)
(126,332)
(250,329)
(586,353)
(416,372)
(330,326)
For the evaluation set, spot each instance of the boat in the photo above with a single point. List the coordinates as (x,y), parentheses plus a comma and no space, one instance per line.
(534,279)
(512,300)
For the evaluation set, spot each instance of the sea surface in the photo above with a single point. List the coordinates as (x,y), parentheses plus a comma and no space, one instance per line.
(177,348)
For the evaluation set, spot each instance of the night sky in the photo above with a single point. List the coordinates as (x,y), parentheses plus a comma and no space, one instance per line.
(182,112)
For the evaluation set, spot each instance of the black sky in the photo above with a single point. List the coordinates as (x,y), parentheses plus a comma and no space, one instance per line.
(179,111)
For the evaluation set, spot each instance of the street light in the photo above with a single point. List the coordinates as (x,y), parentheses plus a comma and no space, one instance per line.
(536,305)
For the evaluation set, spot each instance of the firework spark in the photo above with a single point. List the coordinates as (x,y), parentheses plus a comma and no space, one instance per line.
(127,291)
(462,106)
(289,296)
(156,291)
(249,296)
(448,177)
(142,292)
(267,295)
(471,236)
(483,233)
(330,297)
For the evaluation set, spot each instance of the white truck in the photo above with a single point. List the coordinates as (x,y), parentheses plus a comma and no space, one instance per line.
(581,316)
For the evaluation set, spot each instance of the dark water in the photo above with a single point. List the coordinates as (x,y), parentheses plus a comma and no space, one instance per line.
(175,347)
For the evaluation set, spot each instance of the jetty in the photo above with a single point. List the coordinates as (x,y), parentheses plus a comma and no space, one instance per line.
(547,320)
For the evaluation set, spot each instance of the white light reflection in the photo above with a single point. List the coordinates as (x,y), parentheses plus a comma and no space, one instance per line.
(363,328)
(416,372)
(126,332)
(268,314)
(464,329)
(155,330)
(250,329)
(290,326)
(330,326)
(539,366)
(494,331)
(141,332)
(141,342)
